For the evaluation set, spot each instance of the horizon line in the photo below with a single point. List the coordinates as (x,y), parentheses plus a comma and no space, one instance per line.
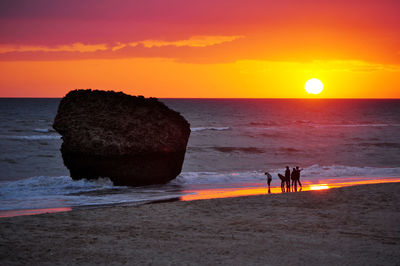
(225,98)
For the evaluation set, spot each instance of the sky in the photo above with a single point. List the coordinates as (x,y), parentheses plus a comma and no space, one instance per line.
(201,49)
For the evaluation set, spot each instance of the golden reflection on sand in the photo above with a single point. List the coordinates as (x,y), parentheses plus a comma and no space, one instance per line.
(260,189)
(12,213)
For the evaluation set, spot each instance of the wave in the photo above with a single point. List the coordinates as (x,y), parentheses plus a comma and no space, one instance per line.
(62,191)
(312,173)
(267,124)
(57,184)
(317,125)
(350,171)
(8,160)
(227,149)
(239,149)
(281,124)
(289,150)
(196,129)
(197,178)
(42,191)
(33,137)
(272,135)
(43,130)
(378,144)
(64,185)
(39,130)
(356,125)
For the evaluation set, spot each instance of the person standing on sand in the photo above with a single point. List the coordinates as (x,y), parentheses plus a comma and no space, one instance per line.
(269,179)
(294,177)
(298,176)
(287,177)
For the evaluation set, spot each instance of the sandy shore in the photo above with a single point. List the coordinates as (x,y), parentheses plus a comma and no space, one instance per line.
(357,225)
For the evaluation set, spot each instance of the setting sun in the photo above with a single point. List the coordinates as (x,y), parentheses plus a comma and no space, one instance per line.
(314,86)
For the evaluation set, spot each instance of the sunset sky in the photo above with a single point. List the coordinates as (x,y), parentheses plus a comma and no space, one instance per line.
(208,48)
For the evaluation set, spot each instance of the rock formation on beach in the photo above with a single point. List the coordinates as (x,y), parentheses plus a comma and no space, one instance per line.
(132,140)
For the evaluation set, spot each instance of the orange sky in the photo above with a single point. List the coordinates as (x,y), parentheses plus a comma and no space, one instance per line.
(223,49)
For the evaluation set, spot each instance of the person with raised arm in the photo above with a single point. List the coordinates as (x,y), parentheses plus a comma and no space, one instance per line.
(298,170)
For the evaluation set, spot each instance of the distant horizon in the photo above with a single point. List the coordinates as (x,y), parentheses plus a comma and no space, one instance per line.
(237,98)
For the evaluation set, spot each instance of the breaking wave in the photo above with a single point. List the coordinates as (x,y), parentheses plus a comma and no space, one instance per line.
(62,191)
(196,129)
(43,130)
(33,137)
(312,173)
(272,124)
(239,149)
(249,150)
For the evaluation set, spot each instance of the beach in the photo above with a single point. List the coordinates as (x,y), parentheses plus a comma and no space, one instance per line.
(355,225)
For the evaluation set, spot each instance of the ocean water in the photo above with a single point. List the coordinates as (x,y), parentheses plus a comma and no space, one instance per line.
(233,142)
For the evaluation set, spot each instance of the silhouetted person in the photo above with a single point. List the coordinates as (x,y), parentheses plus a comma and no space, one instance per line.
(294,177)
(283,181)
(287,177)
(298,176)
(269,179)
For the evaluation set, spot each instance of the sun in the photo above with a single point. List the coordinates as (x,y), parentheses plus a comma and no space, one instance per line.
(314,86)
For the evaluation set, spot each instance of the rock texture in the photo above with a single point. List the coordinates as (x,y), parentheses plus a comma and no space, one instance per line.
(132,140)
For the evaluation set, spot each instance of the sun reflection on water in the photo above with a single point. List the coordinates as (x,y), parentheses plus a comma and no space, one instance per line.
(319,187)
(261,189)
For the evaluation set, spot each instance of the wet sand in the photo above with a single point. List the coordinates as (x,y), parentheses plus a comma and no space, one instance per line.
(356,225)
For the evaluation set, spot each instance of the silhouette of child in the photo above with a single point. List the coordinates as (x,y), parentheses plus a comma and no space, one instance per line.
(283,181)
(269,179)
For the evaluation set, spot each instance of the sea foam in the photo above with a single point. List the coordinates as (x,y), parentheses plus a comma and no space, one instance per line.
(42,130)
(62,191)
(195,129)
(34,137)
(312,173)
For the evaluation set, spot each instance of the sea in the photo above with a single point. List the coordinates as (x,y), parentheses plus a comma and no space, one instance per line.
(233,142)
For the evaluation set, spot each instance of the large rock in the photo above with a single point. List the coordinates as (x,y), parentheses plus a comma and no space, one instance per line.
(132,140)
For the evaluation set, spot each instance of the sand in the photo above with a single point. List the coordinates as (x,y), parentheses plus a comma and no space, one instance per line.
(357,225)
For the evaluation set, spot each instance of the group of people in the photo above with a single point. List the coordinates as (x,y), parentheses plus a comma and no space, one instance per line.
(293,176)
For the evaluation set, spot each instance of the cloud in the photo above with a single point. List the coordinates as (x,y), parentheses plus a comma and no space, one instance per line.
(316,66)
(118,46)
(201,47)
(75,47)
(354,66)
(194,41)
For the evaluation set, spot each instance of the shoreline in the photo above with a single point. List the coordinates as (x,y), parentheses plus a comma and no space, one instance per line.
(355,225)
(204,192)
